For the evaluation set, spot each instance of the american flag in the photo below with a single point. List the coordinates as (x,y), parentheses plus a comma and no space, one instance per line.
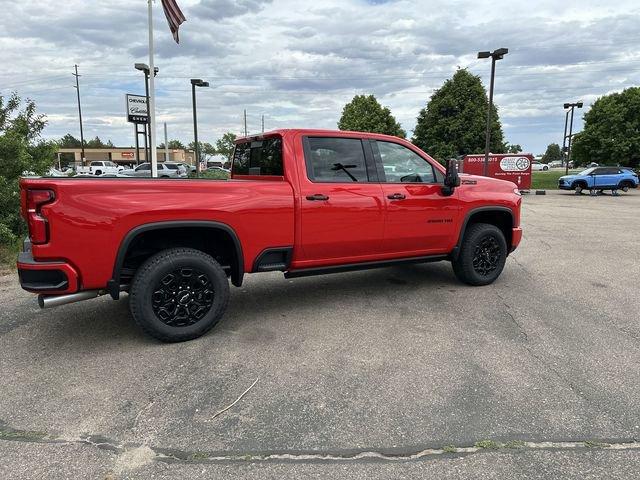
(174,17)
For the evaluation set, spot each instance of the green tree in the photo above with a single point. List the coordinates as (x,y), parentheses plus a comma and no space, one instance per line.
(611,132)
(454,121)
(226,145)
(69,141)
(21,150)
(513,148)
(553,153)
(206,150)
(173,145)
(365,114)
(95,143)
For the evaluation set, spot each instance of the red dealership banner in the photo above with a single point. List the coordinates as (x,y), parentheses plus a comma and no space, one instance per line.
(515,168)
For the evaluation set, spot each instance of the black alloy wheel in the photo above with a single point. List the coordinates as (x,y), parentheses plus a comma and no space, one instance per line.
(486,257)
(482,255)
(182,297)
(179,294)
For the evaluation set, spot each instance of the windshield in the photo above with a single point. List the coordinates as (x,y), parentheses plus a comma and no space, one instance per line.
(587,171)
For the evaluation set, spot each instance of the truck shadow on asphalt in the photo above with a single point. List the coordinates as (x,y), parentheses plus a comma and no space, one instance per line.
(262,299)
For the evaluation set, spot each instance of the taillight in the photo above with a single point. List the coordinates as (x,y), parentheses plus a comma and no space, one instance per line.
(38,225)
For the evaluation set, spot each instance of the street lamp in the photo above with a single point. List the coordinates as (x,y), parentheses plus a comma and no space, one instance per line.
(495,55)
(569,108)
(196,82)
(143,67)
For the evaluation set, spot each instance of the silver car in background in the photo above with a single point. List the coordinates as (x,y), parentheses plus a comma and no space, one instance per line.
(165,170)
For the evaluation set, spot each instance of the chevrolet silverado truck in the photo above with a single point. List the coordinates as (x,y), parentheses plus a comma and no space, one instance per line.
(303,202)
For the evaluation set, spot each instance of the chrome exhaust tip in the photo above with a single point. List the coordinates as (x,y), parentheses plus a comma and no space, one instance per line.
(50,301)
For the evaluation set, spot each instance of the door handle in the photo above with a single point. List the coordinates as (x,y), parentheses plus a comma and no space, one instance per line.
(396,196)
(317,196)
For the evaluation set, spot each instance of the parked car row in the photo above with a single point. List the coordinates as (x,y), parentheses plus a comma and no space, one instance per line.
(100,168)
(165,170)
(538,166)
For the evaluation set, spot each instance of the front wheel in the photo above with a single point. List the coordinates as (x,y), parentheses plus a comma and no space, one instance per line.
(179,294)
(482,256)
(578,189)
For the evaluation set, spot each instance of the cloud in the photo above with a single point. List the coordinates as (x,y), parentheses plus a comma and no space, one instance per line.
(299,62)
(220,9)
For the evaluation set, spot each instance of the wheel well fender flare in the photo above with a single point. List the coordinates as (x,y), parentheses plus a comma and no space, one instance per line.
(469,216)
(237,269)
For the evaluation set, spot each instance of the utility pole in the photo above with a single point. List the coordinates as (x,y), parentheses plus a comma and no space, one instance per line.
(245,122)
(263,123)
(80,115)
(166,144)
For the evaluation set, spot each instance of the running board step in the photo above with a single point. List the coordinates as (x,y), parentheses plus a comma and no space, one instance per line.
(351,267)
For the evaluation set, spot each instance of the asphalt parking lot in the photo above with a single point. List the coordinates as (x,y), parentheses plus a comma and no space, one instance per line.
(359,375)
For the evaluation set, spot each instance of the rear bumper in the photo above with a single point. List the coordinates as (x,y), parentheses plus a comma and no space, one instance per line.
(516,236)
(51,278)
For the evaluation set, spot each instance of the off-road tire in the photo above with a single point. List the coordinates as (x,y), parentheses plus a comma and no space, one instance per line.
(474,237)
(148,280)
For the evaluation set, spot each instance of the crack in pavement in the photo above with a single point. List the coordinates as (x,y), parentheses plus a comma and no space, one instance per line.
(579,392)
(535,355)
(382,454)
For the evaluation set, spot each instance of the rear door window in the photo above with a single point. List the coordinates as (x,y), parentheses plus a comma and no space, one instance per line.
(335,160)
(259,157)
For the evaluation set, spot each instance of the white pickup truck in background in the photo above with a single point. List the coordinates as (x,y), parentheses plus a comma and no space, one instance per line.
(100,168)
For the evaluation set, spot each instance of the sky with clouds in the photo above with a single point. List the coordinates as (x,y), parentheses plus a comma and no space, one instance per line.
(297,62)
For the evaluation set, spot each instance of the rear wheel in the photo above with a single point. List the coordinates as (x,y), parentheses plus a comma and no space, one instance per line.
(179,294)
(625,186)
(482,255)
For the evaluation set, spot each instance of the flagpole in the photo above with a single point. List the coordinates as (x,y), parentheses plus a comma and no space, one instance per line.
(152,109)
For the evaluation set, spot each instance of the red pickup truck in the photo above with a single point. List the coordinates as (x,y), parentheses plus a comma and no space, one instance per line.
(304,202)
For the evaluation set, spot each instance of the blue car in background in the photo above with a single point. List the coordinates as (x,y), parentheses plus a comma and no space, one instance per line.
(597,179)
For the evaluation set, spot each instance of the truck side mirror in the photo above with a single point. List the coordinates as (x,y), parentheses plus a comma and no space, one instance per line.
(451,177)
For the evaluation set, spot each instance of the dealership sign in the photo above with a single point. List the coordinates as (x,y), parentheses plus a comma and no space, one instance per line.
(137,111)
(513,167)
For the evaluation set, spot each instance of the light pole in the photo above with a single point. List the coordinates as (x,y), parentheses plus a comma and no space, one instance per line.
(196,82)
(143,67)
(569,107)
(495,55)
